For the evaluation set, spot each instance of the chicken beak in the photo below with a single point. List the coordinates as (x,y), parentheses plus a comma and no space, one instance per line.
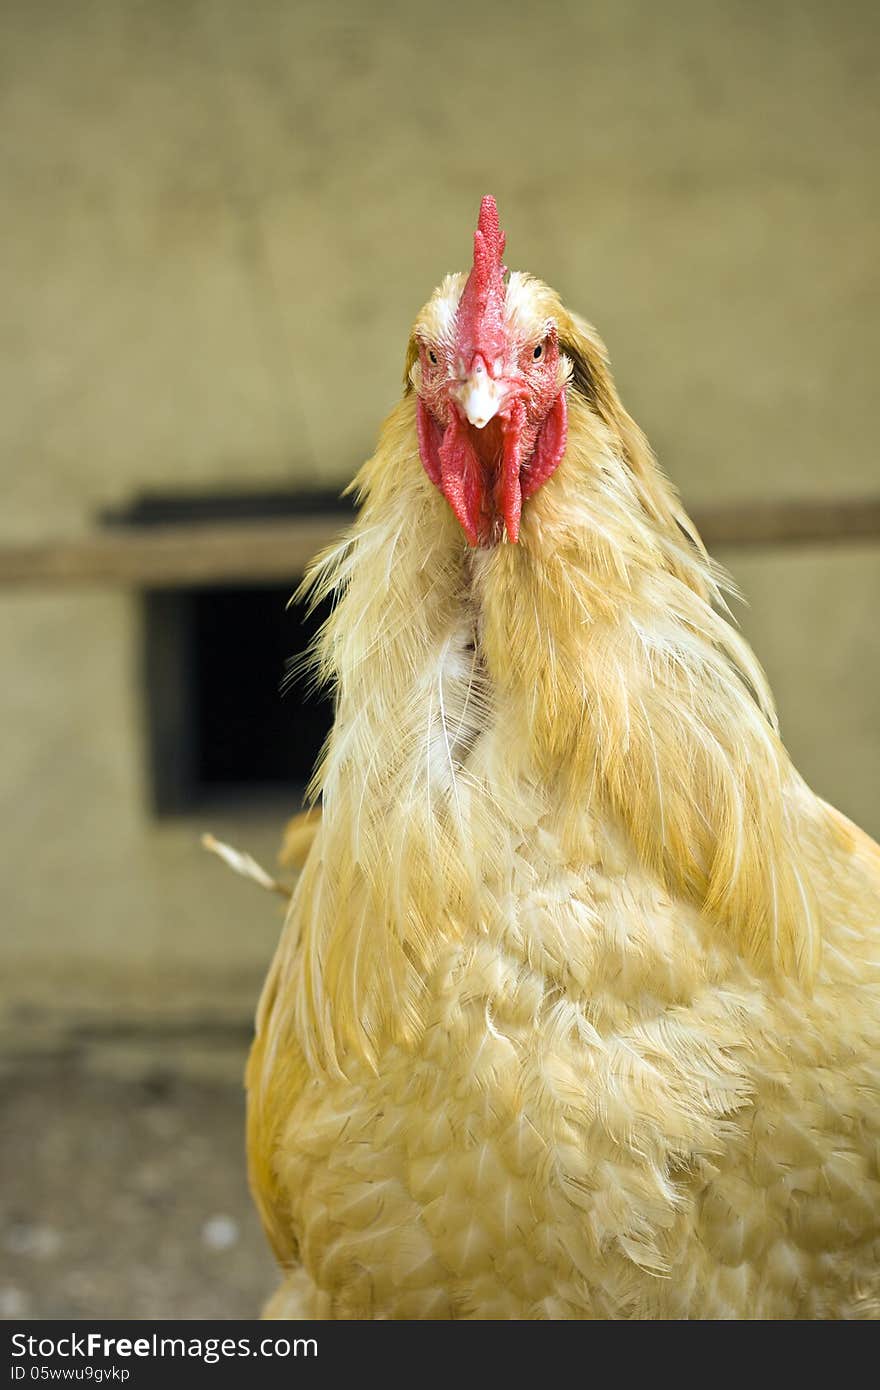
(479,396)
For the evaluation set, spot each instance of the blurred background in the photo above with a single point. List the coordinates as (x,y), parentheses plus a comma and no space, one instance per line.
(218,221)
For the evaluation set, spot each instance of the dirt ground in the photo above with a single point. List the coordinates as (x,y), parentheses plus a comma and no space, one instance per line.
(126,1199)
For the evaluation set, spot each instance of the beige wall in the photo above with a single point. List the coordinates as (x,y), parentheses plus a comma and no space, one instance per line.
(217,222)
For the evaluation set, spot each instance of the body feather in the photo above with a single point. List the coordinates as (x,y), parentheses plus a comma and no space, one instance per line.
(577,1005)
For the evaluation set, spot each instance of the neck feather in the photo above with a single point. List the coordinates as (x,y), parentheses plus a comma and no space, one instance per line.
(593,661)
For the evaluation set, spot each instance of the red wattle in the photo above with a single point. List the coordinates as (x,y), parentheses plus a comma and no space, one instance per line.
(549,447)
(478,491)
(511,485)
(461,480)
(430,435)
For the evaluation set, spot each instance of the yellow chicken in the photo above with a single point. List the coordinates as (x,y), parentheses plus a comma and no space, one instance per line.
(576,1010)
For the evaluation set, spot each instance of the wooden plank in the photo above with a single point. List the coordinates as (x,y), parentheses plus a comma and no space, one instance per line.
(193,555)
(831,521)
(161,557)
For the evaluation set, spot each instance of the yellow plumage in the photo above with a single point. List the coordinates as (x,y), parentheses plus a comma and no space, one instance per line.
(576,1013)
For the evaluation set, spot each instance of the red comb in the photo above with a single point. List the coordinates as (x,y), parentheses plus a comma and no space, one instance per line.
(480,323)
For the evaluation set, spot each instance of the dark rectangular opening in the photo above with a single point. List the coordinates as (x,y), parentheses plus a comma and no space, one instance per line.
(227,724)
(226,721)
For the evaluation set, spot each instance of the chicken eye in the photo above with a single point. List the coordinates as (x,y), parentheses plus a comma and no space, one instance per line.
(539,352)
(432,357)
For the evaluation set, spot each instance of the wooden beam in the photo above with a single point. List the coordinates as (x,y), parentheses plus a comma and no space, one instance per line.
(162,557)
(256,552)
(831,521)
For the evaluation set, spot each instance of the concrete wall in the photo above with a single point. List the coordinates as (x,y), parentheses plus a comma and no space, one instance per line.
(218,220)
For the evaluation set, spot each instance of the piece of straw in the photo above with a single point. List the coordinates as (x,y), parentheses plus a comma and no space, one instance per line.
(245,864)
